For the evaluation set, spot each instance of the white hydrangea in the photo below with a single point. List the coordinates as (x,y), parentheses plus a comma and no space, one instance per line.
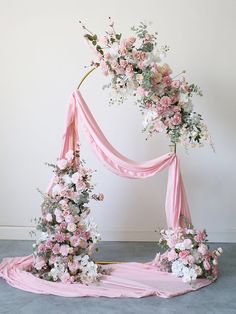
(177,268)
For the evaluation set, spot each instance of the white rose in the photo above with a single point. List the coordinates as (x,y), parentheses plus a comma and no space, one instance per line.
(71,227)
(62,164)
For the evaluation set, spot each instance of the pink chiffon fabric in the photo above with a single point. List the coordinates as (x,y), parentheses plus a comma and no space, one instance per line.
(176,204)
(133,280)
(127,279)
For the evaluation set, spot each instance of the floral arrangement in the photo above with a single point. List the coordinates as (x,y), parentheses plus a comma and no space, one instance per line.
(68,235)
(135,65)
(187,254)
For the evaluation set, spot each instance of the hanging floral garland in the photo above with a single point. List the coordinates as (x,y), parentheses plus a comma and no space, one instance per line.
(135,66)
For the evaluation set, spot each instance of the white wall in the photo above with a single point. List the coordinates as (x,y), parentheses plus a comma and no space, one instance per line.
(41,60)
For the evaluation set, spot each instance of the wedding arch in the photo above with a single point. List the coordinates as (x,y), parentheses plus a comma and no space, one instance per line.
(61,263)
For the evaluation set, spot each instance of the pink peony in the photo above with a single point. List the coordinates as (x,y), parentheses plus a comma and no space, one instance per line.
(60,237)
(64,249)
(165,101)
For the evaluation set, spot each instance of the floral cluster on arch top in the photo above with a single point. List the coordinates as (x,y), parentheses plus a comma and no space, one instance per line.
(136,67)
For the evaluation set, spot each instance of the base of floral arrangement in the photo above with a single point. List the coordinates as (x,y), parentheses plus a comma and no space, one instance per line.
(133,280)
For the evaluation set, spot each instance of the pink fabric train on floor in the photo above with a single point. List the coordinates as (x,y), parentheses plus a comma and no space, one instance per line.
(127,279)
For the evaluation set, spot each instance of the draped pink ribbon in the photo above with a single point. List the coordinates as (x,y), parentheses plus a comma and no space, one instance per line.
(176,205)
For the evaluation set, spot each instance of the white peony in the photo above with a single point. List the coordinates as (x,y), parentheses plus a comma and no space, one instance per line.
(71,227)
(189,274)
(177,268)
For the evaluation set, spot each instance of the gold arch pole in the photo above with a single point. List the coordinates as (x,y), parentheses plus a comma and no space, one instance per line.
(172,149)
(172,145)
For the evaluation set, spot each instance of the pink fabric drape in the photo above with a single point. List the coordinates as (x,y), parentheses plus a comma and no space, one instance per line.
(176,204)
(127,279)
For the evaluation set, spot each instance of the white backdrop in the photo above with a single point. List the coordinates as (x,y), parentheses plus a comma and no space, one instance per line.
(42,57)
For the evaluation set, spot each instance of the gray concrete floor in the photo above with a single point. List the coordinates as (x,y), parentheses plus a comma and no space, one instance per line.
(219,297)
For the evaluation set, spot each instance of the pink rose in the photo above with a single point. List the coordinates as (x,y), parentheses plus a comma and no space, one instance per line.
(187,244)
(175,84)
(183,254)
(165,101)
(206,265)
(123,63)
(176,119)
(129,70)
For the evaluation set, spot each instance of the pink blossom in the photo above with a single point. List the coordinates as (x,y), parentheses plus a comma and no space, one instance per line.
(76,177)
(69,219)
(56,249)
(183,254)
(123,50)
(49,217)
(74,241)
(147,37)
(60,237)
(64,250)
(176,119)
(167,80)
(39,262)
(175,84)
(202,249)
(62,164)
(59,218)
(70,155)
(200,236)
(63,225)
(129,71)
(140,64)
(123,63)
(206,265)
(41,248)
(130,41)
(165,101)
(73,266)
(141,91)
(107,56)
(191,260)
(172,255)
(65,278)
(52,260)
(187,244)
